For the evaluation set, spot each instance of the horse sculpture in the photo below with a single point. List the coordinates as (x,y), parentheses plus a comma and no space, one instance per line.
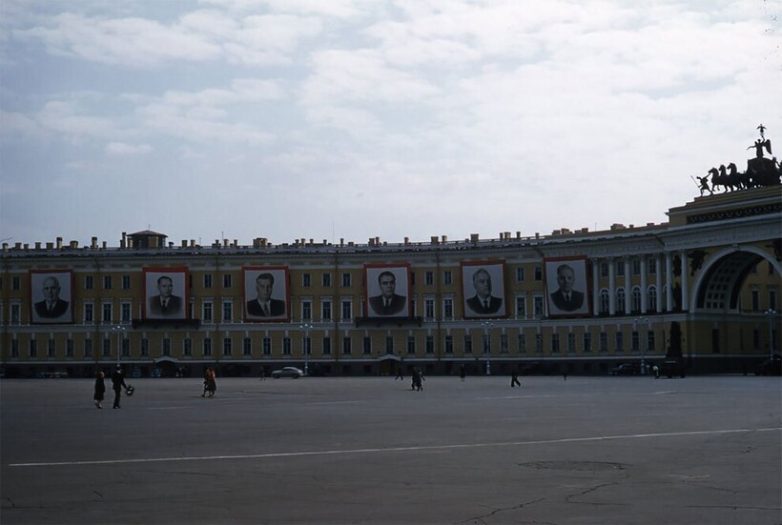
(722,178)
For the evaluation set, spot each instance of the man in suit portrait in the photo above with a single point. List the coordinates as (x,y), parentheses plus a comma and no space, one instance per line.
(263,305)
(566,298)
(388,302)
(51,306)
(483,302)
(165,304)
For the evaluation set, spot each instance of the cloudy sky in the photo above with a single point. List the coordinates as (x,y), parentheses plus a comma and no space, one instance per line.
(352,119)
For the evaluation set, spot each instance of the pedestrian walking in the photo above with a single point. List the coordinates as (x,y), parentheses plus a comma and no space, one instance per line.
(656,371)
(210,382)
(100,388)
(418,378)
(462,372)
(118,383)
(514,379)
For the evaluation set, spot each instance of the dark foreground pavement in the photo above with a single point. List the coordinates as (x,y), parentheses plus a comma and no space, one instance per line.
(699,450)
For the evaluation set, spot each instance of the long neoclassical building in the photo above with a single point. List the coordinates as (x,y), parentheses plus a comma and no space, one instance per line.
(702,288)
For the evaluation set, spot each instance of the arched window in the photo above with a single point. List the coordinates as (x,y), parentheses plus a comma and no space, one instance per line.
(651,299)
(620,300)
(604,301)
(635,300)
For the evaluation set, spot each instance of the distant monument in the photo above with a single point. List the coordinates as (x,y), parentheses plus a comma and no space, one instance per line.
(761,171)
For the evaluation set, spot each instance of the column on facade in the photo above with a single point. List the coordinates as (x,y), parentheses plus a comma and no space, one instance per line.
(658,283)
(684,283)
(611,287)
(595,287)
(668,282)
(643,284)
(628,263)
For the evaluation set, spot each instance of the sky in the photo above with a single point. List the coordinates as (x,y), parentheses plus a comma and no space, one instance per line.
(356,119)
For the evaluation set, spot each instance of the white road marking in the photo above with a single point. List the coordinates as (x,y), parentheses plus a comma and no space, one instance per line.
(397,449)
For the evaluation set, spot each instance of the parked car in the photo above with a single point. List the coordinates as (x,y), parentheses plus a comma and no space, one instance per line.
(288,371)
(770,367)
(626,369)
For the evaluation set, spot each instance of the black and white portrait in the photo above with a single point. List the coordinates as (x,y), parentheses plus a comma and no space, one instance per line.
(484,290)
(51,297)
(266,293)
(566,284)
(166,291)
(387,291)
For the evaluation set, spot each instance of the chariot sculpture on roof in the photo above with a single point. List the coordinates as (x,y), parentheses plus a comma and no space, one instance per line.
(761,170)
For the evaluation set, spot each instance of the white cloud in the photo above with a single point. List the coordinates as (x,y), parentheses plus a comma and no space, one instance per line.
(123,149)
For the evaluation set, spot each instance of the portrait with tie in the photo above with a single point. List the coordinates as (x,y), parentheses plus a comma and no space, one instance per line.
(566,284)
(166,293)
(484,290)
(54,292)
(387,289)
(266,293)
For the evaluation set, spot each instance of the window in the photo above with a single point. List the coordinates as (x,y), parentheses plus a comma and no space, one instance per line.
(555,343)
(88,348)
(429,278)
(503,343)
(145,347)
(106,347)
(326,280)
(207,280)
(69,348)
(538,273)
(227,347)
(227,311)
(619,342)
(89,282)
(16,313)
(429,344)
(756,339)
(107,282)
(106,313)
(571,342)
(522,343)
(651,263)
(326,345)
(604,302)
(755,301)
(207,346)
(587,342)
(620,300)
(429,308)
(206,311)
(126,282)
(635,343)
(636,265)
(125,347)
(307,345)
(347,310)
(125,312)
(521,307)
(187,347)
(650,341)
(389,345)
(247,346)
(15,348)
(539,343)
(538,305)
(448,344)
(519,274)
(604,269)
(346,280)
(227,280)
(603,342)
(51,349)
(286,346)
(636,300)
(651,299)
(620,267)
(467,344)
(772,299)
(448,308)
(410,344)
(447,277)
(346,346)
(306,280)
(367,345)
(89,315)
(325,310)
(306,310)
(267,346)
(166,346)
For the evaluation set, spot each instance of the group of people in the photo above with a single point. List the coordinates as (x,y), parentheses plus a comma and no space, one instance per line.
(210,382)
(117,384)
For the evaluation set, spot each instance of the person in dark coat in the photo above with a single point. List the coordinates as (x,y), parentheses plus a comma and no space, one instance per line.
(514,379)
(100,388)
(118,383)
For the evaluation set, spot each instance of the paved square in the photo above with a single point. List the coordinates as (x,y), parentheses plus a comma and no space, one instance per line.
(370,450)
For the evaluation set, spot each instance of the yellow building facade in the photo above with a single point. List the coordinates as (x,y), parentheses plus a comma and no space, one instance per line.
(702,289)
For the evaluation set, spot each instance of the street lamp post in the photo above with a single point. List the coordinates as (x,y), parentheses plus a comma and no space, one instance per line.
(487,345)
(770,315)
(306,326)
(636,322)
(119,329)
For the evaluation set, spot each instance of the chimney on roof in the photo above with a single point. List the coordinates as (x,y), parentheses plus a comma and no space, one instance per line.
(59,243)
(474,237)
(38,245)
(94,242)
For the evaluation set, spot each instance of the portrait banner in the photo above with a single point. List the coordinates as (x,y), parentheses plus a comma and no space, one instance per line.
(266,293)
(51,300)
(165,293)
(567,286)
(387,290)
(483,289)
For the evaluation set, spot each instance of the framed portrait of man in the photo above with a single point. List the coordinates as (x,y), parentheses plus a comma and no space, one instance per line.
(387,290)
(165,293)
(266,293)
(483,289)
(51,300)
(567,286)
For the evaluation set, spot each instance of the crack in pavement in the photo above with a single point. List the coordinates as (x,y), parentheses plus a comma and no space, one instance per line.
(480,519)
(569,498)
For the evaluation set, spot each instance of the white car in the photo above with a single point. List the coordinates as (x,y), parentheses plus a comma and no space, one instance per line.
(288,371)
